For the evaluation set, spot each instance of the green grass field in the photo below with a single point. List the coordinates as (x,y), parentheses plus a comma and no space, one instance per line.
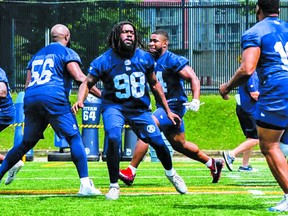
(50,188)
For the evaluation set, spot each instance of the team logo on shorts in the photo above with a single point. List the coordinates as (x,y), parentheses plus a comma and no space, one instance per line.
(151,128)
(74,126)
(127,62)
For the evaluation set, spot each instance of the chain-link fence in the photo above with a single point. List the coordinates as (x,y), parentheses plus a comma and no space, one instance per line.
(208,33)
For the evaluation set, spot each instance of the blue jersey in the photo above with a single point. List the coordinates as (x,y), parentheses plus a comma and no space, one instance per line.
(125,83)
(49,77)
(247,102)
(167,72)
(271,35)
(7,109)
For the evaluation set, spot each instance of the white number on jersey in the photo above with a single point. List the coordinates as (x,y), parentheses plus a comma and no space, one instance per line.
(133,85)
(283,52)
(159,75)
(43,76)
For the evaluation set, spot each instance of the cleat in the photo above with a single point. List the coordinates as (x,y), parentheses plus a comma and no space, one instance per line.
(246,169)
(89,190)
(126,176)
(282,206)
(113,193)
(216,168)
(13,171)
(228,160)
(178,183)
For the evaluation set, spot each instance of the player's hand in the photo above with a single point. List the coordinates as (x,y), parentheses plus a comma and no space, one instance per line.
(223,90)
(76,106)
(194,105)
(174,118)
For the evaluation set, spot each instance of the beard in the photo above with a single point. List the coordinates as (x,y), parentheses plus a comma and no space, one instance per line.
(126,50)
(156,53)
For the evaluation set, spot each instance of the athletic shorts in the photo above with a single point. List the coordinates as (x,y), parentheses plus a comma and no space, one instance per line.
(166,124)
(37,118)
(247,122)
(141,123)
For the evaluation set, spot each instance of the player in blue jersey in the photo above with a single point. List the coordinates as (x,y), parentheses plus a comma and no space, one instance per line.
(245,109)
(126,70)
(265,48)
(7,114)
(172,70)
(46,101)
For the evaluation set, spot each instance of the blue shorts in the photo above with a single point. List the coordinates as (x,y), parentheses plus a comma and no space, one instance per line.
(284,138)
(272,105)
(247,122)
(166,124)
(273,115)
(37,118)
(142,123)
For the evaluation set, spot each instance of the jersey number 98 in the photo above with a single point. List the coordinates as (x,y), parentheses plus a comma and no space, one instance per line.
(133,85)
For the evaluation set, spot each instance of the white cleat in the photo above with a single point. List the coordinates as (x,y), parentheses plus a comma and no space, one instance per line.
(89,190)
(178,183)
(113,193)
(13,171)
(282,206)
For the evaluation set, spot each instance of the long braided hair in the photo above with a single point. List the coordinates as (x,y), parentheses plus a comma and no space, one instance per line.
(114,38)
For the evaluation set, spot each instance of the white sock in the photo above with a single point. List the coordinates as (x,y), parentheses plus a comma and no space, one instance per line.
(85,181)
(133,169)
(209,163)
(170,172)
(115,185)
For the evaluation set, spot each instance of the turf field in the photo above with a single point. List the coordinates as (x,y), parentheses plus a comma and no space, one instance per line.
(50,188)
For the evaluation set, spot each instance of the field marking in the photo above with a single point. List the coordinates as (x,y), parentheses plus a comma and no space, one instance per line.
(46,193)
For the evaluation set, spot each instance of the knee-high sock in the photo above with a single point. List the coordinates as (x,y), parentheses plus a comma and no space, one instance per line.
(162,151)
(78,155)
(114,137)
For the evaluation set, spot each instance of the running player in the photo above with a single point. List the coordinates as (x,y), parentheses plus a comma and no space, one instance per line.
(265,48)
(50,74)
(245,109)
(126,70)
(7,114)
(171,71)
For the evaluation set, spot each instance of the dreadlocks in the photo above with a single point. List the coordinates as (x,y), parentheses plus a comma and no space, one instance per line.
(114,38)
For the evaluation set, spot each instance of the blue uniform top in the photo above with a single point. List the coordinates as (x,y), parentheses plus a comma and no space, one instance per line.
(7,109)
(125,83)
(167,71)
(271,35)
(247,102)
(49,77)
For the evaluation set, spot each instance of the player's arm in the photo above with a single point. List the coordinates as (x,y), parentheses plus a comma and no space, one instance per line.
(250,57)
(158,93)
(79,77)
(84,88)
(3,90)
(189,75)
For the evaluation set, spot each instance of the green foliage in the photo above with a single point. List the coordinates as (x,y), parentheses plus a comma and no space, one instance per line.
(214,127)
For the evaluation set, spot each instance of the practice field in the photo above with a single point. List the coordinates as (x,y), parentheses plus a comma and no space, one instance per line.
(50,188)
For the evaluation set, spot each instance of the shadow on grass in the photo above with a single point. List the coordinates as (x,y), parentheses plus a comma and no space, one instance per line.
(221,207)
